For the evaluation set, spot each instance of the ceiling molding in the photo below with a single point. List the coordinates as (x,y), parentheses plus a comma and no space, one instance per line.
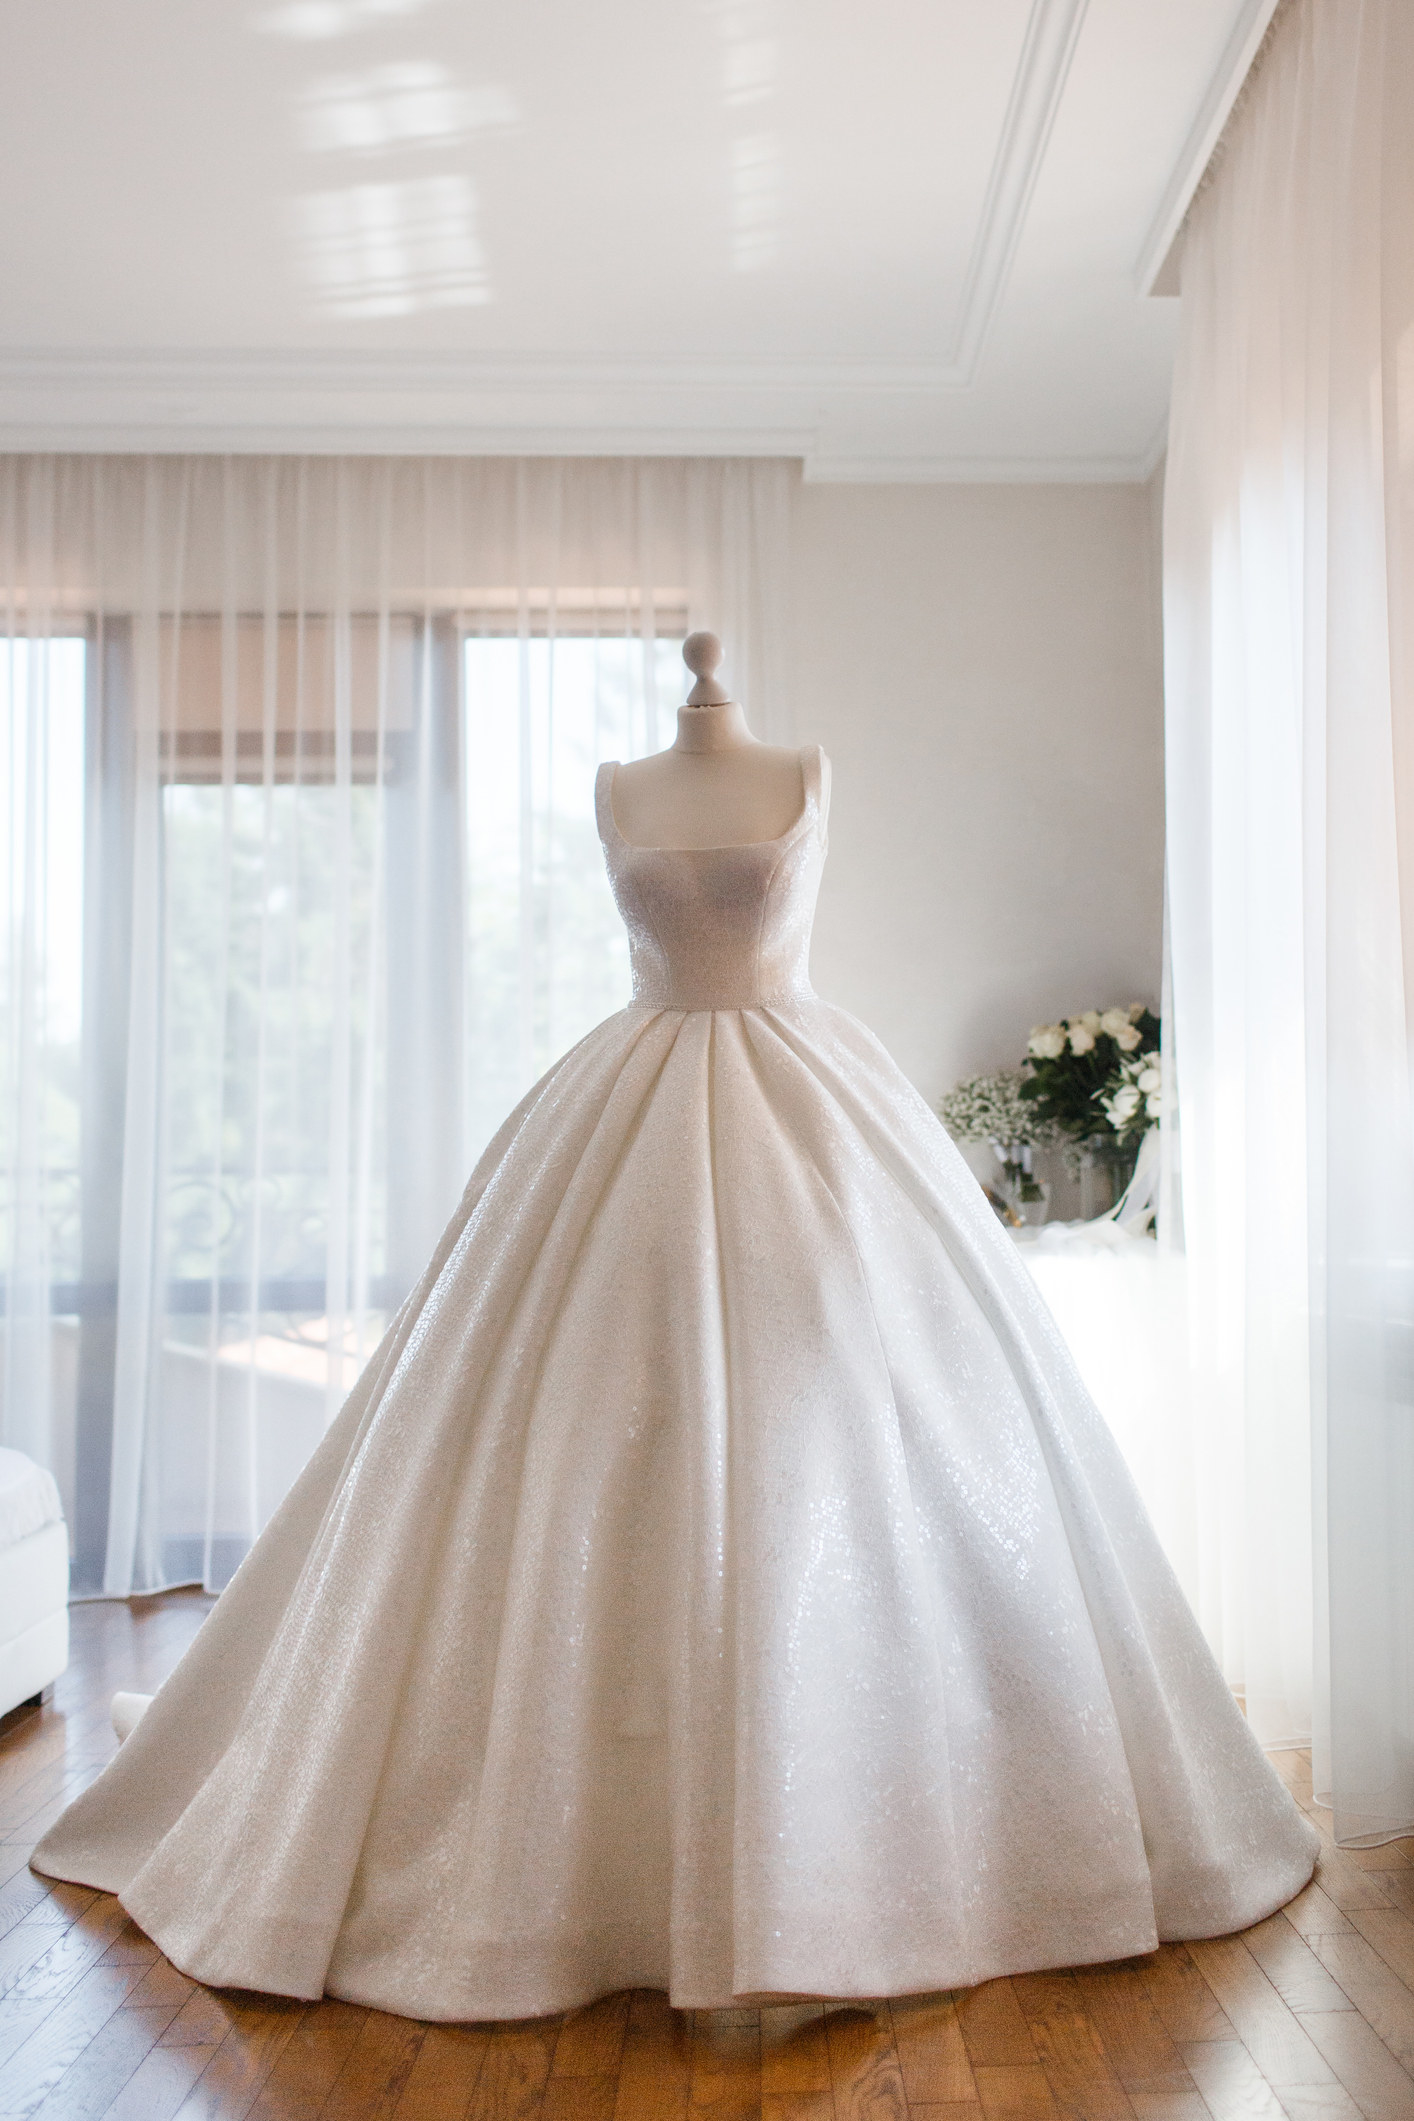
(1156,273)
(1046,52)
(139,372)
(165,402)
(820,467)
(439,440)
(169,402)
(823,470)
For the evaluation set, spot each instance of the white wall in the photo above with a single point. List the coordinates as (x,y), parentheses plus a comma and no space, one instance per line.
(983,666)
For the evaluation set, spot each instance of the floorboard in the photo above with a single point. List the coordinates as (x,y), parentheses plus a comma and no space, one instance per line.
(1309,2016)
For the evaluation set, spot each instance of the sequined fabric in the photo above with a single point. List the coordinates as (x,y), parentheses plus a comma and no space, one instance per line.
(719,1579)
(720,927)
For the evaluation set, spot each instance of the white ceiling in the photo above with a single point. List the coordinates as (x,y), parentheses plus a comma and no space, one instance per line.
(903,239)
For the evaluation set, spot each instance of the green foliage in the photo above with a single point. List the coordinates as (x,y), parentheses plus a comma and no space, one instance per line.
(1071,1088)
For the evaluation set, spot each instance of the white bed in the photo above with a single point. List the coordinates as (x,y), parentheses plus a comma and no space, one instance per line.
(34,1581)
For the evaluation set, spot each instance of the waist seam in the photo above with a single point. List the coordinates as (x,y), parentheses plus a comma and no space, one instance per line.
(774,999)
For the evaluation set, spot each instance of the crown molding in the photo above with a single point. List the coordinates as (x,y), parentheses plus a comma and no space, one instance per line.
(166,401)
(442,440)
(1156,271)
(160,402)
(821,470)
(1048,46)
(330,372)
(818,468)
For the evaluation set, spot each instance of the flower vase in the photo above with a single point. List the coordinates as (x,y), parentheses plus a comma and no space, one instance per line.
(1033,1203)
(1028,1197)
(1106,1167)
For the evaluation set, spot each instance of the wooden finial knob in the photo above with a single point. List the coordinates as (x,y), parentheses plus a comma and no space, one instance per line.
(702,652)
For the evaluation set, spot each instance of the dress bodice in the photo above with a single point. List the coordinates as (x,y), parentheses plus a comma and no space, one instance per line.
(720,927)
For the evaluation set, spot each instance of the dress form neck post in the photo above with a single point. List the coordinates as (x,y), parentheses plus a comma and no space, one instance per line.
(721,726)
(709,720)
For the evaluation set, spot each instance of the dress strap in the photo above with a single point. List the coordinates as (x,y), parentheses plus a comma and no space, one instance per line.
(604,802)
(815,773)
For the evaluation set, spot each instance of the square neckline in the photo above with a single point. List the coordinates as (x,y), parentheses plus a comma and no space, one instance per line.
(609,769)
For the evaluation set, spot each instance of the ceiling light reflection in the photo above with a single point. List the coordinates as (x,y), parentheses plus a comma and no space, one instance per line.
(749,49)
(749,60)
(748,70)
(385,250)
(315,21)
(411,104)
(755,201)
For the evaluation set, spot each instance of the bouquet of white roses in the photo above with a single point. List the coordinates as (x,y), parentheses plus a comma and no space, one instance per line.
(1096,1073)
(1136,1100)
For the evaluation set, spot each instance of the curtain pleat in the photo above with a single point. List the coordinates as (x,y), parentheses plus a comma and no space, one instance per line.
(1289,603)
(301,892)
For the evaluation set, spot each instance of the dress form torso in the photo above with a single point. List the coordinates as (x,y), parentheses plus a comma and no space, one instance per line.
(717,785)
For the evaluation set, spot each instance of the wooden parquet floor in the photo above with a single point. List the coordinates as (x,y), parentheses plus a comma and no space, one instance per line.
(1310,2015)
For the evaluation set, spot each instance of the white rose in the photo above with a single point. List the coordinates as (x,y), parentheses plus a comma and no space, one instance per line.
(1154,1105)
(1149,1080)
(1136,1010)
(1114,1021)
(1090,1018)
(1127,1039)
(1047,1041)
(1082,1038)
(1124,1104)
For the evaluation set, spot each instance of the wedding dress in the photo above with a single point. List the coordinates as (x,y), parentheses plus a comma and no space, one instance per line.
(719,1579)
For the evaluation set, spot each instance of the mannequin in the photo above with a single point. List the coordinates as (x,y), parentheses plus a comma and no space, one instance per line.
(717,785)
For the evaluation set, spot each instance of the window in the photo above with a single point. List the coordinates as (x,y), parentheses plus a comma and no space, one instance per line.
(41,953)
(345,902)
(546,953)
(42,811)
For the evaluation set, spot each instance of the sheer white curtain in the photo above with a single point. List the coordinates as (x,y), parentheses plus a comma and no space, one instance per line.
(1289,605)
(302,891)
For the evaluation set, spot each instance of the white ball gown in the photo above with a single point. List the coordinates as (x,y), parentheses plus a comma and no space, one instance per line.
(718,1581)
